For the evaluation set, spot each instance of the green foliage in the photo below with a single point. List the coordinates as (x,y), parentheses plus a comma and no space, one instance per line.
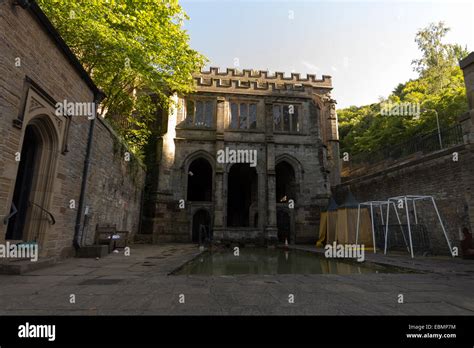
(439,88)
(129,47)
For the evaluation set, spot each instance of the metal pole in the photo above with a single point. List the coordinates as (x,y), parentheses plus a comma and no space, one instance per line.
(373,230)
(414,210)
(409,228)
(381,213)
(442,226)
(401,228)
(358,220)
(386,228)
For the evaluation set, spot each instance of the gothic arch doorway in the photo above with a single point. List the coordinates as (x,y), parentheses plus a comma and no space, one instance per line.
(23,185)
(34,182)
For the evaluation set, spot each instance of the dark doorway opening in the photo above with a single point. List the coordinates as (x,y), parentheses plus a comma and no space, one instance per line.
(242,192)
(23,185)
(201,218)
(283,225)
(285,182)
(200,180)
(255,220)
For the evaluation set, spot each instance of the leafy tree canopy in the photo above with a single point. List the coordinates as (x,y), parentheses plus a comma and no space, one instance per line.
(439,87)
(132,49)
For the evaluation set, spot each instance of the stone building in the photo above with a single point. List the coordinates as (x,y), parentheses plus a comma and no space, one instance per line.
(61,174)
(249,154)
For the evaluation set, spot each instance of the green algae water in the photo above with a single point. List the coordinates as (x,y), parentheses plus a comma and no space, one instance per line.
(276,261)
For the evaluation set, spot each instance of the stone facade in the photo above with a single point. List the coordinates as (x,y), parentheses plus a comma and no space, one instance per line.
(37,70)
(291,125)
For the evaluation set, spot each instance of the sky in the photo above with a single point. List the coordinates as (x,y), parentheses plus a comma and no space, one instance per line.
(366,46)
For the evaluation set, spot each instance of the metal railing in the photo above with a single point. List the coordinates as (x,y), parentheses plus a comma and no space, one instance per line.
(51,219)
(424,143)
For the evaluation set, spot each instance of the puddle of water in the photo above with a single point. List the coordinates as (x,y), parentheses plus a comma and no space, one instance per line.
(276,261)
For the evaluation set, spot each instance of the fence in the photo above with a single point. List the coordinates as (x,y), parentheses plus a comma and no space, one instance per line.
(423,143)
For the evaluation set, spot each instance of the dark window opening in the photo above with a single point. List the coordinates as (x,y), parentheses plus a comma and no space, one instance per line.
(243,115)
(286,118)
(200,181)
(199,113)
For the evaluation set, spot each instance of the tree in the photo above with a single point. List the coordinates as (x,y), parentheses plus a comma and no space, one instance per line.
(439,87)
(135,51)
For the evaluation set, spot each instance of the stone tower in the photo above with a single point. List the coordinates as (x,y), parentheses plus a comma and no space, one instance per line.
(288,123)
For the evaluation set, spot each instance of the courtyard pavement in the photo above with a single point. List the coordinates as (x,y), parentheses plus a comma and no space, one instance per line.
(139,284)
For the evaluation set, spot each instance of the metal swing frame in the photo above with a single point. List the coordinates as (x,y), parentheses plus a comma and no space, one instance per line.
(413,199)
(380,205)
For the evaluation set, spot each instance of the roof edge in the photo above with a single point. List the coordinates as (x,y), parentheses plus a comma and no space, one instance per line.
(44,21)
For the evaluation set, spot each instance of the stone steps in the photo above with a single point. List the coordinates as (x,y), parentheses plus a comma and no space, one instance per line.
(21,266)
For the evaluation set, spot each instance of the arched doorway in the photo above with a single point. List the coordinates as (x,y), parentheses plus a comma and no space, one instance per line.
(23,185)
(286,198)
(200,181)
(201,218)
(283,226)
(285,182)
(242,184)
(34,181)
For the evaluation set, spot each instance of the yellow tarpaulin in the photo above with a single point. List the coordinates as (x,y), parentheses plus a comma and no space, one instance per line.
(340,224)
(332,226)
(347,224)
(327,224)
(323,226)
(347,227)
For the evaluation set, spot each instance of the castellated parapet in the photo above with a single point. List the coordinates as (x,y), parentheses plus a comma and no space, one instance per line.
(260,82)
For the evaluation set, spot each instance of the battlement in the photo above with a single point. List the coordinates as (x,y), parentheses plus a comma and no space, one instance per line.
(260,80)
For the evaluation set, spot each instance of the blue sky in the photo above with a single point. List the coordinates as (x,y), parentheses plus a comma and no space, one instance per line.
(366,46)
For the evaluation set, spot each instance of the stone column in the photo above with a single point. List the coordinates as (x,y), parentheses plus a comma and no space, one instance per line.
(262,200)
(333,145)
(271,223)
(220,195)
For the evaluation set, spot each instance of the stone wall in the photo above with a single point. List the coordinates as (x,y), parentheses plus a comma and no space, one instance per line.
(36,72)
(437,175)
(115,184)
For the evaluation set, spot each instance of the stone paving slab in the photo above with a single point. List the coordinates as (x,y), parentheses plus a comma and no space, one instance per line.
(140,285)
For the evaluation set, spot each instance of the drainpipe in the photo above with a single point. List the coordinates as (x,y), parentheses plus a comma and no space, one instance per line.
(98,97)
